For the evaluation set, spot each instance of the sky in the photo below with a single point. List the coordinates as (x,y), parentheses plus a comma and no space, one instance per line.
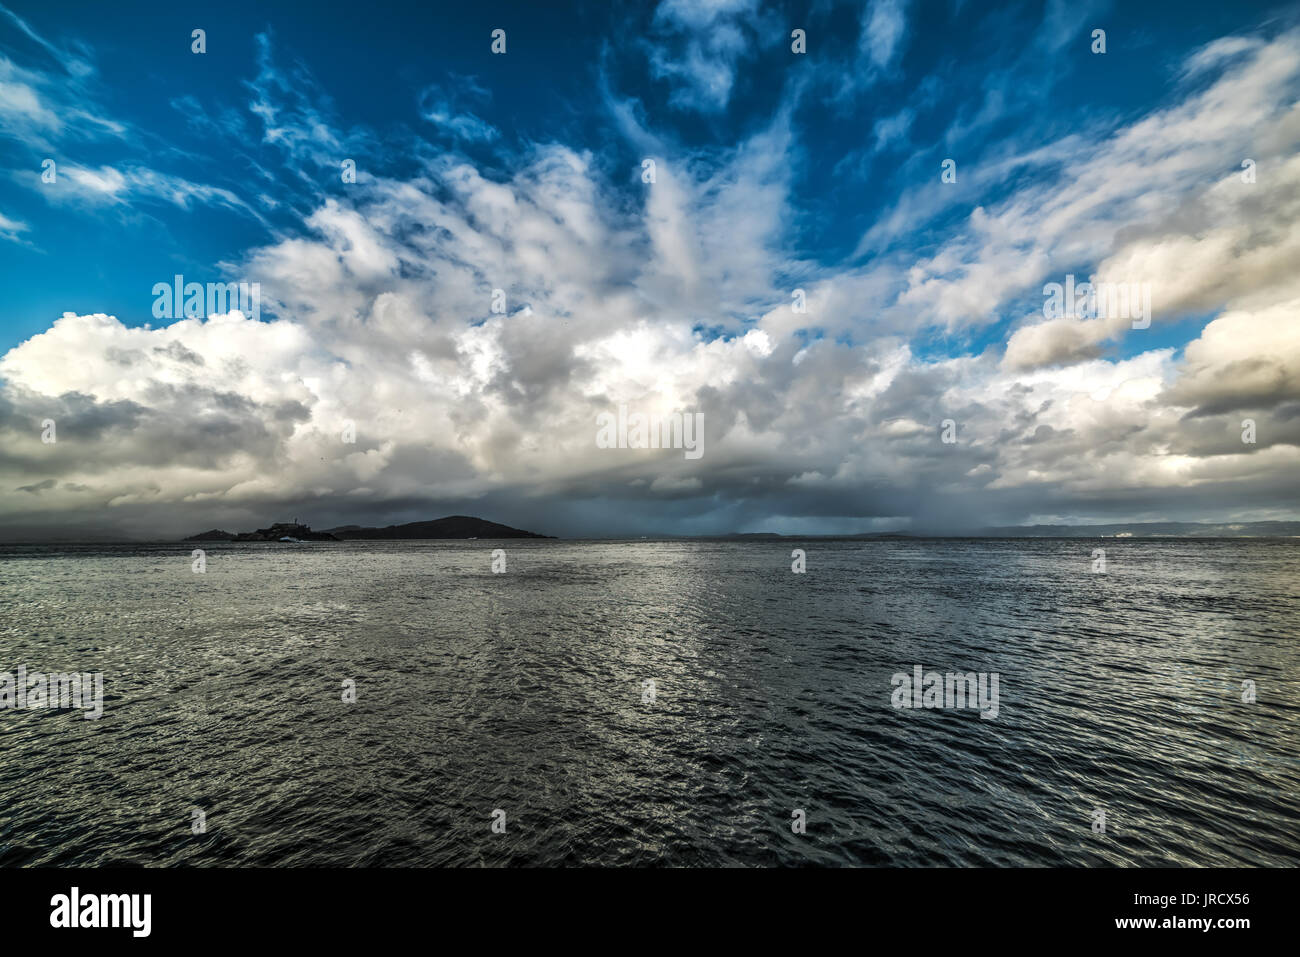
(834,248)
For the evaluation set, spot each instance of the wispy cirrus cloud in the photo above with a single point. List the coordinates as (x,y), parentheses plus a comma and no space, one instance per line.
(700,45)
(10,228)
(448,106)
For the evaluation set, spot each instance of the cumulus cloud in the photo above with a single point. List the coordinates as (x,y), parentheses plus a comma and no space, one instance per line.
(468,325)
(1243,361)
(1157,205)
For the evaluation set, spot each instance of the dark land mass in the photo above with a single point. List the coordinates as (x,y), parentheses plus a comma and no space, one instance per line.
(464,527)
(1120,530)
(276,532)
(453,527)
(1151,530)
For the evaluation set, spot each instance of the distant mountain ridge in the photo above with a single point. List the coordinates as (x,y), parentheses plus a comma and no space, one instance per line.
(1151,530)
(274,533)
(451,527)
(465,526)
(1271,529)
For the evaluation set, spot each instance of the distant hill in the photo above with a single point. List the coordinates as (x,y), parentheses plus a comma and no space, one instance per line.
(1150,530)
(453,526)
(465,526)
(285,530)
(1119,530)
(211,535)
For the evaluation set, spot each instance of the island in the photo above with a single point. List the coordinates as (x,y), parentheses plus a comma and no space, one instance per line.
(278,531)
(450,527)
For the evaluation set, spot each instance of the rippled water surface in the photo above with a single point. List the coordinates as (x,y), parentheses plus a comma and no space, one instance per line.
(523,691)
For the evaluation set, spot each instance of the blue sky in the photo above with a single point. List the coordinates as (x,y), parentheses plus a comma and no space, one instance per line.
(523,171)
(188,117)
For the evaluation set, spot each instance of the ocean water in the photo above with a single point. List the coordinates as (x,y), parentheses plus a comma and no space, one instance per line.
(526,692)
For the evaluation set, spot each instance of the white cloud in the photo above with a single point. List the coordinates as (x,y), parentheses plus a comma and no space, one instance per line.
(447,107)
(884,25)
(10,228)
(382,317)
(704,41)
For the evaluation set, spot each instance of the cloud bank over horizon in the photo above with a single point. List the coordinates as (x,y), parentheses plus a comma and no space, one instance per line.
(866,339)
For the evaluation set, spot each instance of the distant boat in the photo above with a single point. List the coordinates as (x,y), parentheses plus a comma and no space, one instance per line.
(290,538)
(472,538)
